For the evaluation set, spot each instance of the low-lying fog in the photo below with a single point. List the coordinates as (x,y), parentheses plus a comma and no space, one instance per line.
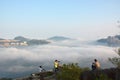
(17,62)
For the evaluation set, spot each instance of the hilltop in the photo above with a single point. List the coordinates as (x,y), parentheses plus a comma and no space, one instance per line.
(59,38)
(110,40)
(74,72)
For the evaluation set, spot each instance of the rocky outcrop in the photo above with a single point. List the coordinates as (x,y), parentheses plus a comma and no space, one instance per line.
(49,75)
(112,74)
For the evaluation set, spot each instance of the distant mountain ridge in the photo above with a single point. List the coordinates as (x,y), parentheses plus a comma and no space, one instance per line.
(21,38)
(31,41)
(111,40)
(2,39)
(21,41)
(59,38)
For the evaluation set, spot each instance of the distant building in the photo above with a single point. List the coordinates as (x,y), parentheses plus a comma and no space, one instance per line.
(8,43)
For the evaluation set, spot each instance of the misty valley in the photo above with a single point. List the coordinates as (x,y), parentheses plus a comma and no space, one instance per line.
(18,62)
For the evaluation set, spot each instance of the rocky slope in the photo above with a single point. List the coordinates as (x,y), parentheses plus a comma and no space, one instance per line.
(49,75)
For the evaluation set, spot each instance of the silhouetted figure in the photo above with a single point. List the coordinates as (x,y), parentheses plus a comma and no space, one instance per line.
(93,66)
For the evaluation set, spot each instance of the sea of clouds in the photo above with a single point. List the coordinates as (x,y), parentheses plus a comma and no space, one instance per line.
(22,61)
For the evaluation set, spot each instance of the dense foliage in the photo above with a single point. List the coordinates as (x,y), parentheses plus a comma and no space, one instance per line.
(70,72)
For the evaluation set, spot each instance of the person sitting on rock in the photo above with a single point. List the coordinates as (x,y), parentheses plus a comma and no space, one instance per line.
(41,69)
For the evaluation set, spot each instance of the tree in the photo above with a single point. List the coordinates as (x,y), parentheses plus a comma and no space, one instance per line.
(116,60)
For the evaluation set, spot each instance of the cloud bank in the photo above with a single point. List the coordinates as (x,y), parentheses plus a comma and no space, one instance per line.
(24,61)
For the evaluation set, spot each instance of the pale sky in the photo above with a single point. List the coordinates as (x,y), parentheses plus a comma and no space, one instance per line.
(86,19)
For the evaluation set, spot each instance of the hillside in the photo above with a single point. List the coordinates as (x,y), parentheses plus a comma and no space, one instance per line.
(110,40)
(74,72)
(21,41)
(31,41)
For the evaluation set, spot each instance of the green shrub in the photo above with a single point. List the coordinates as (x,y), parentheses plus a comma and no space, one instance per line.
(70,72)
(103,77)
